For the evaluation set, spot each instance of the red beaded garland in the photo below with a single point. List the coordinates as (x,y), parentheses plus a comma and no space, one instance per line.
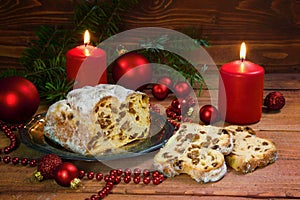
(146,172)
(99,176)
(81,174)
(8,131)
(90,175)
(137,179)
(16,160)
(137,172)
(146,180)
(115,176)
(178,110)
(6,159)
(127,179)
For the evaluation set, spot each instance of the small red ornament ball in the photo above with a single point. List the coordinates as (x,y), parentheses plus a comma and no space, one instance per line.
(48,164)
(66,173)
(19,99)
(131,70)
(160,91)
(274,101)
(182,89)
(167,81)
(208,114)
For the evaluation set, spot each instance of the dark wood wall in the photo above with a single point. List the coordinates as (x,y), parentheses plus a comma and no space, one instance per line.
(271,28)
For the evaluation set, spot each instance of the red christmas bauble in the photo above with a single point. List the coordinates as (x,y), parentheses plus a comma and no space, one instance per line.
(182,89)
(160,91)
(65,174)
(48,164)
(209,114)
(131,70)
(167,81)
(274,101)
(19,99)
(180,105)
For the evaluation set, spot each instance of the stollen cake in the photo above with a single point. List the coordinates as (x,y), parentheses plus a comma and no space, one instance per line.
(196,150)
(94,120)
(249,151)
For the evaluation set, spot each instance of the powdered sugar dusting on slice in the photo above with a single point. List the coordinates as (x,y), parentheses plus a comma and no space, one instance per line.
(83,99)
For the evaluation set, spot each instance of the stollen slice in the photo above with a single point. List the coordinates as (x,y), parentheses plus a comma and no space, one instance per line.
(196,150)
(249,152)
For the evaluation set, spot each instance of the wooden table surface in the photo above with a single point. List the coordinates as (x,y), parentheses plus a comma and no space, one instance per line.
(278,180)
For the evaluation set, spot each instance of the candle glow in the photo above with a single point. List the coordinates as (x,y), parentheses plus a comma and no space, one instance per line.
(86,41)
(242,56)
(86,37)
(243,51)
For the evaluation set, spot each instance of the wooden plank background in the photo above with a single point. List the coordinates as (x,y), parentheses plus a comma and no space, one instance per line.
(271,28)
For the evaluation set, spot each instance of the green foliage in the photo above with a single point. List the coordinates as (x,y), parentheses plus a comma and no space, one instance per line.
(44,59)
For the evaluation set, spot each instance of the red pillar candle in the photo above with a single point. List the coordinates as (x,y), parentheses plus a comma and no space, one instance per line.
(90,61)
(241,91)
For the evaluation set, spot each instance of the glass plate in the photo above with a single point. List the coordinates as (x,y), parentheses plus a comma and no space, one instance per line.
(32,135)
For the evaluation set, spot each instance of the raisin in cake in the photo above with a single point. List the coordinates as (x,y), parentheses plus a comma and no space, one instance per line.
(249,152)
(93,120)
(195,150)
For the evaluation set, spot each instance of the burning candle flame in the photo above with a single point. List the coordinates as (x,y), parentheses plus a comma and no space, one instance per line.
(86,38)
(243,52)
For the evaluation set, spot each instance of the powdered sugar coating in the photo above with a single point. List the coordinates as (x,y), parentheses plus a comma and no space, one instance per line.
(86,97)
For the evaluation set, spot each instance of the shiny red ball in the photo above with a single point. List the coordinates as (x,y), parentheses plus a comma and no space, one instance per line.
(131,70)
(19,99)
(175,104)
(274,101)
(209,114)
(65,173)
(167,81)
(182,89)
(160,92)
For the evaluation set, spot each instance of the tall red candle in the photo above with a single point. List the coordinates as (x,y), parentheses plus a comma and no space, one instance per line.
(86,64)
(241,91)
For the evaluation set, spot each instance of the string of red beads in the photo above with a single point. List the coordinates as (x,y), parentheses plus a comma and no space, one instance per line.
(8,131)
(16,160)
(116,176)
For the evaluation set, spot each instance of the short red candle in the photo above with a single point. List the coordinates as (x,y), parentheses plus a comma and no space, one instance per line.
(93,62)
(241,92)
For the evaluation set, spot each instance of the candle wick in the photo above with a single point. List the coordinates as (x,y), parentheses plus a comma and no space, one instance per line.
(242,59)
(85,44)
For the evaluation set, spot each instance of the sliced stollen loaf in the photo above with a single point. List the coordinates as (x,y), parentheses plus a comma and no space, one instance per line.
(249,152)
(195,150)
(93,120)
